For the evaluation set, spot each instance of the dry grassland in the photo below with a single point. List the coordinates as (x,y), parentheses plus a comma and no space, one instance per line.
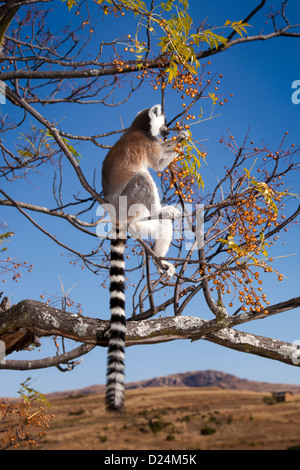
(175,418)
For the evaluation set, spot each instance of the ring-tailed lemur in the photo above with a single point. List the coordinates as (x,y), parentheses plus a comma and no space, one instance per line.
(125,174)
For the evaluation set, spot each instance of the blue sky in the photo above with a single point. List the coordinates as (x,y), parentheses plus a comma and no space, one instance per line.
(260,76)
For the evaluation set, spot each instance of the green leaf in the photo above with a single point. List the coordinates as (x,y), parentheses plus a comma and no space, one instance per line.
(239,26)
(29,394)
(167,6)
(247,172)
(3,238)
(213,97)
(74,152)
(172,71)
(265,191)
(25,153)
(70,3)
(71,149)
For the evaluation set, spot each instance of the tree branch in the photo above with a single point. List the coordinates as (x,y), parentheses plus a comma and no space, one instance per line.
(14,98)
(72,219)
(24,322)
(136,67)
(53,361)
(268,348)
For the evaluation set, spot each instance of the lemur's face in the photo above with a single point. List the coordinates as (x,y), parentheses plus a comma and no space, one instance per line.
(158,122)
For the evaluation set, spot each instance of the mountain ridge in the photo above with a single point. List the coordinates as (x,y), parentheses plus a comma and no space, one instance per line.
(196,379)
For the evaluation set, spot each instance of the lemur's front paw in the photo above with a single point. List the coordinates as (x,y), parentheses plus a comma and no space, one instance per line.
(184,135)
(170,269)
(172,211)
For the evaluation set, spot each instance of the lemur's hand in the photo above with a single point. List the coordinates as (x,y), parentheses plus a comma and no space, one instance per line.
(171,211)
(183,135)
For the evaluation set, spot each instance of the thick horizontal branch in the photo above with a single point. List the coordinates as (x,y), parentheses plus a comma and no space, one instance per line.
(258,345)
(68,74)
(23,323)
(29,319)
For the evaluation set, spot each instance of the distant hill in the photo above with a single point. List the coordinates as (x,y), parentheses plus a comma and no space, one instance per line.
(207,378)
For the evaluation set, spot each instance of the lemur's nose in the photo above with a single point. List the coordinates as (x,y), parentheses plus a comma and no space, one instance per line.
(164,131)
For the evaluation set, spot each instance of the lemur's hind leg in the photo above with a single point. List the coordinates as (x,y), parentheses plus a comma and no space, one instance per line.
(161,231)
(159,227)
(162,244)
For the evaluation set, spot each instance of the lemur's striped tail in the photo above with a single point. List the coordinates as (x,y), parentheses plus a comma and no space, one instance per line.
(115,387)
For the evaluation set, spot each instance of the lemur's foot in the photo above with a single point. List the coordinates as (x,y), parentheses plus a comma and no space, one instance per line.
(170,269)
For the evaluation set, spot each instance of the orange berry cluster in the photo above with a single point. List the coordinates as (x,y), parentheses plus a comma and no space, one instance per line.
(11,266)
(251,215)
(188,80)
(56,301)
(121,66)
(177,176)
(241,281)
(133,46)
(109,10)
(21,423)
(179,179)
(3,60)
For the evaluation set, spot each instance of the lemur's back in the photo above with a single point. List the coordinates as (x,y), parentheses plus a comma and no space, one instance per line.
(127,157)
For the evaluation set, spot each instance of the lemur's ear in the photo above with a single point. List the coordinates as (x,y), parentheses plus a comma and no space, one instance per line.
(155,111)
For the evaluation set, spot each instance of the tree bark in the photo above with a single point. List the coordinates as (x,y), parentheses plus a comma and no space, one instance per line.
(28,320)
